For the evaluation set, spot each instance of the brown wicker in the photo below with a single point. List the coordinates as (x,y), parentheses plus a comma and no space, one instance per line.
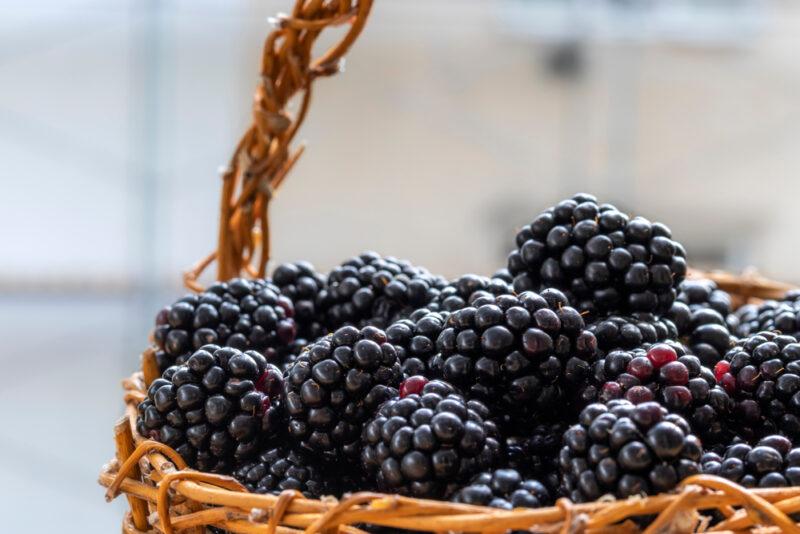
(166,496)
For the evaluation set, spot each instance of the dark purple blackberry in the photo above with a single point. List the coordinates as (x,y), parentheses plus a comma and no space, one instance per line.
(424,444)
(623,449)
(602,258)
(515,353)
(335,385)
(302,284)
(221,405)
(771,315)
(531,452)
(762,375)
(277,469)
(772,463)
(702,314)
(374,290)
(631,331)
(674,379)
(415,339)
(506,489)
(239,313)
(463,291)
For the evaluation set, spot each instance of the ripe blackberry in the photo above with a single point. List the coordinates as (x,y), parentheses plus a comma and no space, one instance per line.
(679,383)
(771,315)
(531,453)
(772,463)
(221,405)
(463,291)
(702,314)
(336,384)
(623,449)
(370,290)
(239,313)
(631,331)
(506,489)
(415,340)
(602,258)
(277,469)
(762,374)
(515,353)
(425,443)
(302,284)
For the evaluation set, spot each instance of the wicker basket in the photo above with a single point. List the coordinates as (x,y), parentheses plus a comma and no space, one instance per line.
(166,496)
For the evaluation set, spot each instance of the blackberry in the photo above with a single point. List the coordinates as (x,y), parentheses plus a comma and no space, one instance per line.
(335,385)
(531,453)
(370,290)
(771,315)
(631,331)
(463,291)
(602,258)
(425,443)
(506,489)
(277,469)
(762,374)
(702,314)
(679,383)
(415,339)
(623,449)
(515,353)
(221,405)
(302,284)
(772,463)
(239,313)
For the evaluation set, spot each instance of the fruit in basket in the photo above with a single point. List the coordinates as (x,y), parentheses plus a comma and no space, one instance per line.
(335,385)
(506,489)
(280,468)
(631,331)
(415,339)
(604,259)
(371,290)
(221,406)
(239,313)
(515,353)
(762,374)
(702,314)
(302,284)
(623,449)
(463,291)
(772,463)
(424,444)
(771,315)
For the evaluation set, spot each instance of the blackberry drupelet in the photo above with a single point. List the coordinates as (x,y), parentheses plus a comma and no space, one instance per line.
(335,385)
(239,313)
(678,382)
(762,374)
(415,339)
(506,489)
(772,463)
(426,443)
(515,353)
(623,449)
(302,284)
(464,290)
(602,258)
(370,290)
(631,331)
(221,405)
(771,315)
(277,469)
(702,314)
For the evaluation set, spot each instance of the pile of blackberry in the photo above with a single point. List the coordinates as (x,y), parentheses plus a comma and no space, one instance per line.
(772,463)
(782,316)
(603,259)
(239,313)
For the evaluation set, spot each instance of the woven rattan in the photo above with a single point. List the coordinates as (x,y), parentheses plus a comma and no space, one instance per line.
(166,496)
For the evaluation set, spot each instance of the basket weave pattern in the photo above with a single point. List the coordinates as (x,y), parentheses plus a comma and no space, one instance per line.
(164,495)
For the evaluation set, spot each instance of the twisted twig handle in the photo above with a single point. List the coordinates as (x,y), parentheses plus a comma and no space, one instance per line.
(263,156)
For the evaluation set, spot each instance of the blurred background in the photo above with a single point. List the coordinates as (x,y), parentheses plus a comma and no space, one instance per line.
(455,122)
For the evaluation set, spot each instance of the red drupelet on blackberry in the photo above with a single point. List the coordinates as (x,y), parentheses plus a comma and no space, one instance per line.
(781,316)
(239,313)
(622,449)
(425,444)
(506,489)
(280,468)
(302,284)
(374,290)
(772,463)
(335,385)
(602,258)
(221,405)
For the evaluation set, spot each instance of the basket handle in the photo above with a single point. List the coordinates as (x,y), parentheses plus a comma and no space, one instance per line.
(263,157)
